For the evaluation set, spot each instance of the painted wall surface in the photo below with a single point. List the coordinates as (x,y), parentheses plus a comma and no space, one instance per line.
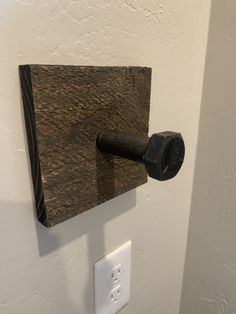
(51,271)
(210,273)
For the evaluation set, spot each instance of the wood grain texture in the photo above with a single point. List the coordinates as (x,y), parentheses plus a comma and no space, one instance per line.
(65,108)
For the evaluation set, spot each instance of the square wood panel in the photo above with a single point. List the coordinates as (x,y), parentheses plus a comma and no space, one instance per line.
(65,107)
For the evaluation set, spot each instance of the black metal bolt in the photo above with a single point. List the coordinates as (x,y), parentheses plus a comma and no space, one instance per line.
(162,153)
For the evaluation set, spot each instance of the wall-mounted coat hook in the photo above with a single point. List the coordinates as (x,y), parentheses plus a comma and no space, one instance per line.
(162,153)
(65,108)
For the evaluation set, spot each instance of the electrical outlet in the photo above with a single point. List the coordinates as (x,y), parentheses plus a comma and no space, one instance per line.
(112,280)
(115,295)
(116,275)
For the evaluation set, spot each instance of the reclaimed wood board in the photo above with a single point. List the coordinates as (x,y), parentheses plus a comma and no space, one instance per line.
(65,107)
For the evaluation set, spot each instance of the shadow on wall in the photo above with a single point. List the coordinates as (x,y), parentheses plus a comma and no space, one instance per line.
(48,275)
(90,223)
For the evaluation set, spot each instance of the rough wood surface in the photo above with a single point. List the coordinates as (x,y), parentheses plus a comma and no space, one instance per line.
(65,107)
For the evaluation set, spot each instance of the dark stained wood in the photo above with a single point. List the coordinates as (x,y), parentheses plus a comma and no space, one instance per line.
(65,108)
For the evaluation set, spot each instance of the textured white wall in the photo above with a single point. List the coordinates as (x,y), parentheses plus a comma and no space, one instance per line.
(210,273)
(50,271)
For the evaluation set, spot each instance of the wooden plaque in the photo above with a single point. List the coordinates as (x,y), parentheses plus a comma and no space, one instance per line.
(65,107)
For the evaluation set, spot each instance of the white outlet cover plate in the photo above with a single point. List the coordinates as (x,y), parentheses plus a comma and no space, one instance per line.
(104,283)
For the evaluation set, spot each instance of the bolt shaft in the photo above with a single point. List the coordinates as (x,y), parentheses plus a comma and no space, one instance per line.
(124,145)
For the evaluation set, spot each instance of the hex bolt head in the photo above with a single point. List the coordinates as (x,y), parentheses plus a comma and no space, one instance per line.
(164,155)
